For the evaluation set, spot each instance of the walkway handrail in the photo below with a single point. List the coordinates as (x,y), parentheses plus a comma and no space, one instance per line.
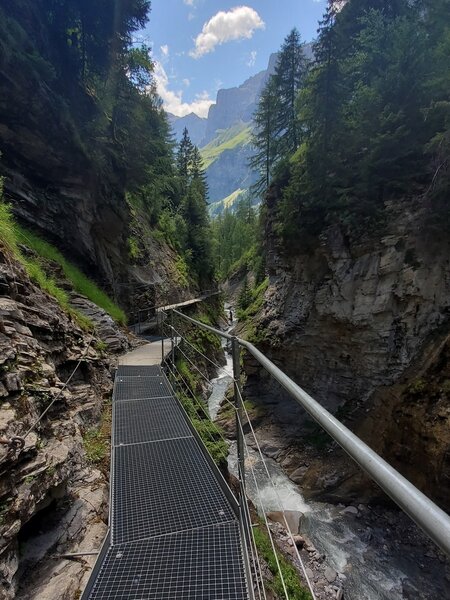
(426,514)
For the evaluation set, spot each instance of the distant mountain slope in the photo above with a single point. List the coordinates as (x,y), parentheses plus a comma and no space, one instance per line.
(216,208)
(194,124)
(224,137)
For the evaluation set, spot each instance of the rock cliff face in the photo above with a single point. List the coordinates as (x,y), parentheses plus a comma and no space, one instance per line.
(50,485)
(364,328)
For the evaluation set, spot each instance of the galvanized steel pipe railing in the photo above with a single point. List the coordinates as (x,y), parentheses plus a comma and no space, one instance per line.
(423,511)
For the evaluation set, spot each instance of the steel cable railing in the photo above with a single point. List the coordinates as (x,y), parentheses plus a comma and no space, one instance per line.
(279,501)
(174,371)
(427,515)
(173,332)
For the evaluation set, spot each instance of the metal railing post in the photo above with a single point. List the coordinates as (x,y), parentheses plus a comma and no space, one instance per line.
(172,343)
(236,353)
(162,336)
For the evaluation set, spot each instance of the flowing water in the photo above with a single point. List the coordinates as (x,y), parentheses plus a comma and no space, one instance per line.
(363,555)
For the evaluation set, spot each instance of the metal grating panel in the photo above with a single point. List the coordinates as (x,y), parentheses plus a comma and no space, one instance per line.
(162,488)
(138,421)
(204,564)
(132,371)
(136,388)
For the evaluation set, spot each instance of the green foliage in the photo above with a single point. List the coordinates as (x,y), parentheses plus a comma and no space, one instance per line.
(80,282)
(277,127)
(417,387)
(371,123)
(96,440)
(101,347)
(194,237)
(182,271)
(255,300)
(290,576)
(7,228)
(245,297)
(208,431)
(133,248)
(235,239)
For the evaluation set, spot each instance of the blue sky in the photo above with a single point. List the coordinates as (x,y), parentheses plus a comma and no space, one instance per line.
(201,46)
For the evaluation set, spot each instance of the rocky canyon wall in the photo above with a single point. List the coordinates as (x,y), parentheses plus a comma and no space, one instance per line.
(53,491)
(363,328)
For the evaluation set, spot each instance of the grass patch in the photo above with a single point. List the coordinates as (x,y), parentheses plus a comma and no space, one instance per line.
(81,284)
(12,235)
(96,441)
(294,587)
(133,248)
(181,271)
(95,445)
(7,231)
(11,239)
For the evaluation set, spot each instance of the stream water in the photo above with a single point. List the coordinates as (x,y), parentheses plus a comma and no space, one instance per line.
(364,548)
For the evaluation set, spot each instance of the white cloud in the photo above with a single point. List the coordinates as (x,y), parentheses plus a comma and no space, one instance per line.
(173,101)
(252,58)
(165,50)
(238,23)
(186,82)
(189,2)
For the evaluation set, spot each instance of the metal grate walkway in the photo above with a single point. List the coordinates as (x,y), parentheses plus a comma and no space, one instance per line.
(174,533)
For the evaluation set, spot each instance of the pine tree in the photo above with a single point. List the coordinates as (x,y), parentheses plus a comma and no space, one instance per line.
(245,296)
(289,77)
(264,138)
(184,160)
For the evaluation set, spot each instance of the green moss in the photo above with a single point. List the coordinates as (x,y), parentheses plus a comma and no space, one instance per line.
(294,587)
(101,347)
(417,386)
(10,238)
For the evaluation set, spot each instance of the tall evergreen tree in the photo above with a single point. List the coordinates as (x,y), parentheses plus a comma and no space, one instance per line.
(289,77)
(264,138)
(184,160)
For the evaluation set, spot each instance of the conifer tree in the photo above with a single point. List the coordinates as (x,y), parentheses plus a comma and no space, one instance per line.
(184,160)
(289,77)
(264,137)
